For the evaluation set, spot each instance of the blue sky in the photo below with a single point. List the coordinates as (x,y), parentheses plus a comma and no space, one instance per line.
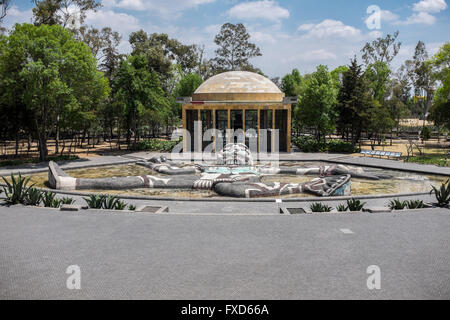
(291,33)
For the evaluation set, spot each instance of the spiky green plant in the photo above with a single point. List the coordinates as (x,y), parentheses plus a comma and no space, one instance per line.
(95,201)
(414,204)
(396,204)
(319,207)
(67,200)
(17,189)
(132,207)
(110,202)
(33,197)
(120,205)
(50,200)
(341,208)
(442,194)
(355,205)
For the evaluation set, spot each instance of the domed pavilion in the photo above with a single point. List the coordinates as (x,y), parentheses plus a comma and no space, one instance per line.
(241,107)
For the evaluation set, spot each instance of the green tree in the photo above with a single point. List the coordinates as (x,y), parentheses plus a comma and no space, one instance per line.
(188,84)
(139,92)
(66,13)
(378,75)
(381,50)
(317,103)
(354,101)
(4,5)
(235,50)
(440,64)
(50,72)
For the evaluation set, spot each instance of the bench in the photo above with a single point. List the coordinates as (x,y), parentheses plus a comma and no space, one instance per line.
(388,154)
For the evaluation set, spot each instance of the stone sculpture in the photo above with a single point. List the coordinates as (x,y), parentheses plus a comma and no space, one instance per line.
(234,175)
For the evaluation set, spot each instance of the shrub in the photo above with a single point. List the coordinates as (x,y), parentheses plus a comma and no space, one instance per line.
(155,145)
(339,146)
(442,194)
(33,197)
(414,204)
(132,207)
(319,207)
(308,144)
(17,189)
(397,204)
(342,208)
(426,133)
(95,201)
(355,205)
(50,201)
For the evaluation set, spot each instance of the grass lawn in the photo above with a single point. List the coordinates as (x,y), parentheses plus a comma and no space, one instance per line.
(436,159)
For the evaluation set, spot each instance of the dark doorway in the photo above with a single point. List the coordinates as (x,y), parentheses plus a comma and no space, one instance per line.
(281,125)
(191,117)
(236,119)
(221,127)
(265,137)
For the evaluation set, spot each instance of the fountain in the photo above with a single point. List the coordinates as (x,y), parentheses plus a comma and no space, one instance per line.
(234,174)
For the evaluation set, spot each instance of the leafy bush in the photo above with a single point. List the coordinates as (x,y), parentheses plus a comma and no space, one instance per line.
(33,197)
(442,194)
(341,208)
(396,204)
(95,201)
(414,204)
(17,189)
(309,144)
(355,205)
(426,133)
(155,145)
(50,201)
(339,146)
(132,207)
(319,207)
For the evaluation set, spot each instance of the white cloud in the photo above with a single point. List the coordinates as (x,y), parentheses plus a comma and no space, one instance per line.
(320,55)
(419,18)
(14,16)
(121,22)
(388,16)
(330,28)
(422,12)
(137,5)
(265,9)
(432,6)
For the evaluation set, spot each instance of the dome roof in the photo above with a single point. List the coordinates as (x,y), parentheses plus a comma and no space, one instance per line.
(238,86)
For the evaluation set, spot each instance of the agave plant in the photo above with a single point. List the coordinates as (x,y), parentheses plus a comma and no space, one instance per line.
(95,201)
(442,194)
(319,207)
(414,204)
(67,200)
(341,208)
(110,202)
(120,205)
(33,197)
(50,201)
(132,207)
(17,189)
(396,204)
(355,205)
